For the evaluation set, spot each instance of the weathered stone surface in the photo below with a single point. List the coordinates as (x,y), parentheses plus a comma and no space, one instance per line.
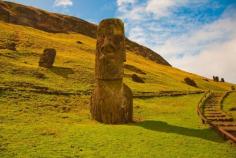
(47,58)
(136,78)
(111,101)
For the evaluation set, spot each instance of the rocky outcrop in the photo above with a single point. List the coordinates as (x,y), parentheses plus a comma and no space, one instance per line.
(57,23)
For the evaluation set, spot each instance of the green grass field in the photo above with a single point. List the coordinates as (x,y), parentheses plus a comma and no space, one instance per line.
(229,103)
(35,124)
(43,126)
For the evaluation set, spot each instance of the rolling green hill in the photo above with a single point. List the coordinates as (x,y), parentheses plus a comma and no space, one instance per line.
(45,112)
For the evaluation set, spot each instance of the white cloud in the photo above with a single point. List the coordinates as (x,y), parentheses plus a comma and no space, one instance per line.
(192,41)
(63,3)
(131,9)
(196,40)
(215,47)
(161,8)
(125,2)
(138,34)
(214,60)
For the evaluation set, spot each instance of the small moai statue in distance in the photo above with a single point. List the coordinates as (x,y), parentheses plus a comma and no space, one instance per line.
(47,58)
(214,78)
(112,100)
(222,80)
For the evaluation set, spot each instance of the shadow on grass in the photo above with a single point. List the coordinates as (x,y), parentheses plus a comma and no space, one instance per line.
(160,126)
(62,71)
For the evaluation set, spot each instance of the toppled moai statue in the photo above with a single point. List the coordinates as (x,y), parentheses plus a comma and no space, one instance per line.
(190,82)
(136,78)
(47,58)
(112,100)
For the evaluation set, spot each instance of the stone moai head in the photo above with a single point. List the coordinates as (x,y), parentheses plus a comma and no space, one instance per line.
(47,58)
(110,50)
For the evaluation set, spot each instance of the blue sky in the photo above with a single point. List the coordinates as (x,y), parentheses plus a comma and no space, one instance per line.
(195,35)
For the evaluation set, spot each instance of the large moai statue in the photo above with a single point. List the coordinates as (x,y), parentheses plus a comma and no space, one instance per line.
(112,100)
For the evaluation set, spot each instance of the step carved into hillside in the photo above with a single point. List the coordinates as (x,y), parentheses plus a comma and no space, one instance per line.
(210,111)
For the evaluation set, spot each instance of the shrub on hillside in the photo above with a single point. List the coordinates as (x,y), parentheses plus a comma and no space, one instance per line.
(10,45)
(232,109)
(79,42)
(190,82)
(134,69)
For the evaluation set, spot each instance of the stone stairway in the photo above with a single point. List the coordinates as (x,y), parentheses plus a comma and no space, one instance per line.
(217,118)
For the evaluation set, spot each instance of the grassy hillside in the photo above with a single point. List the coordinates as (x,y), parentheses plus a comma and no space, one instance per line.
(57,23)
(74,65)
(45,112)
(229,104)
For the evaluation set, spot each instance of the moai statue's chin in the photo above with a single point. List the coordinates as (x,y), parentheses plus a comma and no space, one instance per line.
(112,100)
